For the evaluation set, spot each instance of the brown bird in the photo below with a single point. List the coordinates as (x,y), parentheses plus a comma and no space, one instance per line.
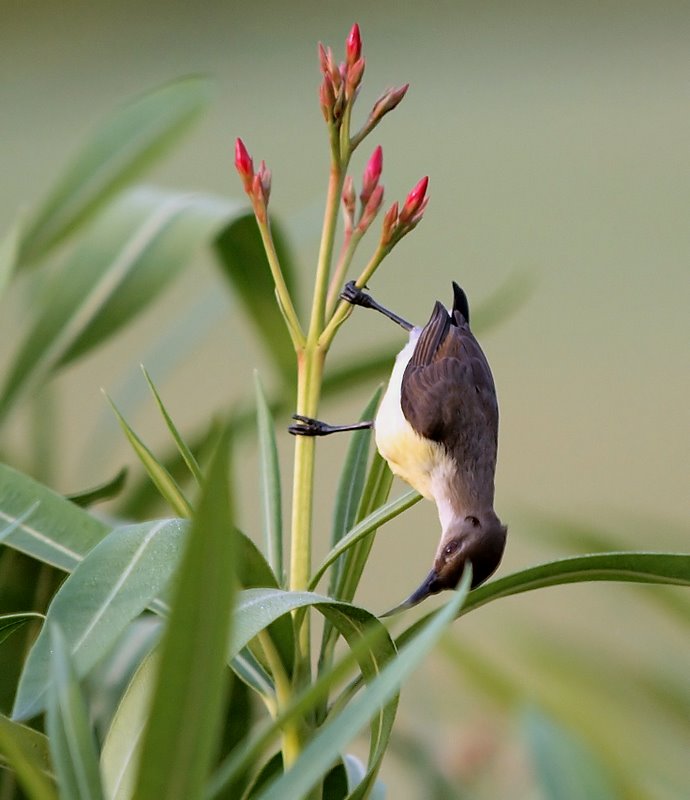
(437,427)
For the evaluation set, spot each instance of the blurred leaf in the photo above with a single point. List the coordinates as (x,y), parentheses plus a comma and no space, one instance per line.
(131,253)
(104,491)
(57,532)
(365,527)
(114,583)
(417,756)
(243,262)
(162,479)
(122,747)
(269,482)
(503,302)
(333,736)
(356,773)
(184,725)
(25,751)
(182,447)
(9,247)
(565,768)
(132,139)
(72,742)
(10,623)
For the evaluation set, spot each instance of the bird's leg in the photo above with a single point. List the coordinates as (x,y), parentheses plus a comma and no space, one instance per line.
(307,426)
(357,297)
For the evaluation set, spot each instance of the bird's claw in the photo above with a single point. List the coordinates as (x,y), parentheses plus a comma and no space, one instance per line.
(308,426)
(354,295)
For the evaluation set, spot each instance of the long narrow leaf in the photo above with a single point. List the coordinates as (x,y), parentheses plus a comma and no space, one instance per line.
(25,751)
(184,725)
(57,532)
(114,583)
(10,623)
(104,491)
(132,252)
(122,747)
(72,742)
(162,479)
(132,139)
(269,482)
(182,446)
(325,746)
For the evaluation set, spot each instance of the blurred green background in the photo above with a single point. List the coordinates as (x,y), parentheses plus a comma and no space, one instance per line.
(556,140)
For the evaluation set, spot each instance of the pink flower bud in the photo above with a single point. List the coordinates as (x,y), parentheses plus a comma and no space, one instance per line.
(327,97)
(264,176)
(353,45)
(244,165)
(348,196)
(354,78)
(371,209)
(390,223)
(372,173)
(388,101)
(415,203)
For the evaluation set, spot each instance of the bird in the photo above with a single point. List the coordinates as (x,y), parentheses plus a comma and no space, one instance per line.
(437,427)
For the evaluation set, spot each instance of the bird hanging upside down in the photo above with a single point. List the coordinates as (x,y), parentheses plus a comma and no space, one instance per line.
(437,427)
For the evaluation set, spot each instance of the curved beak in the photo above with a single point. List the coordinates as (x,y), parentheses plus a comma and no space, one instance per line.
(430,585)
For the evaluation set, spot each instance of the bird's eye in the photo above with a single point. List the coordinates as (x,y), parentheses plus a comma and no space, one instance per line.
(450,548)
(473,521)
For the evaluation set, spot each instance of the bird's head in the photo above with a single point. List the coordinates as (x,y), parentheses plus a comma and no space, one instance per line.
(478,538)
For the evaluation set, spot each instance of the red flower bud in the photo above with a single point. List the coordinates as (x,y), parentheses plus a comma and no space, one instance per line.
(244,165)
(353,45)
(415,203)
(354,78)
(372,173)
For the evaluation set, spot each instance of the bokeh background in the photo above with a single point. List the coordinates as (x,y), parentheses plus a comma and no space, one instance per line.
(556,140)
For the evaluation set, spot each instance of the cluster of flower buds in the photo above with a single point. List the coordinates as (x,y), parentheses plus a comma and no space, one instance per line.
(256,184)
(398,222)
(341,82)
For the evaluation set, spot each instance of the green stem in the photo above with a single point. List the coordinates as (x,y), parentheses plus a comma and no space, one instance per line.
(340,271)
(282,293)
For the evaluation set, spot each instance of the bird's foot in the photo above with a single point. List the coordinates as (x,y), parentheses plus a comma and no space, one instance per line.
(308,426)
(356,296)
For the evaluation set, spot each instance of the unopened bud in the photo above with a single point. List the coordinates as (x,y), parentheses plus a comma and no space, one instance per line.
(415,203)
(371,209)
(387,102)
(244,165)
(353,45)
(264,176)
(372,173)
(390,223)
(327,97)
(349,201)
(354,78)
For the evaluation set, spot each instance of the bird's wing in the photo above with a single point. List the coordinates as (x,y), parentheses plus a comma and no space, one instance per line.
(447,391)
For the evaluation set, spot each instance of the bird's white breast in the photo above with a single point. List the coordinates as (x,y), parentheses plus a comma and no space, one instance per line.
(414,459)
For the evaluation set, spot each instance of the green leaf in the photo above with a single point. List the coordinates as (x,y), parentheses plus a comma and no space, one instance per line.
(57,532)
(370,647)
(184,725)
(114,583)
(351,483)
(365,527)
(25,751)
(182,447)
(162,479)
(565,768)
(131,253)
(121,751)
(333,736)
(104,491)
(9,623)
(269,482)
(72,743)
(243,262)
(9,248)
(135,136)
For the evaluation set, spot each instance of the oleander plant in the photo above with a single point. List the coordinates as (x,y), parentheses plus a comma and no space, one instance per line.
(174,655)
